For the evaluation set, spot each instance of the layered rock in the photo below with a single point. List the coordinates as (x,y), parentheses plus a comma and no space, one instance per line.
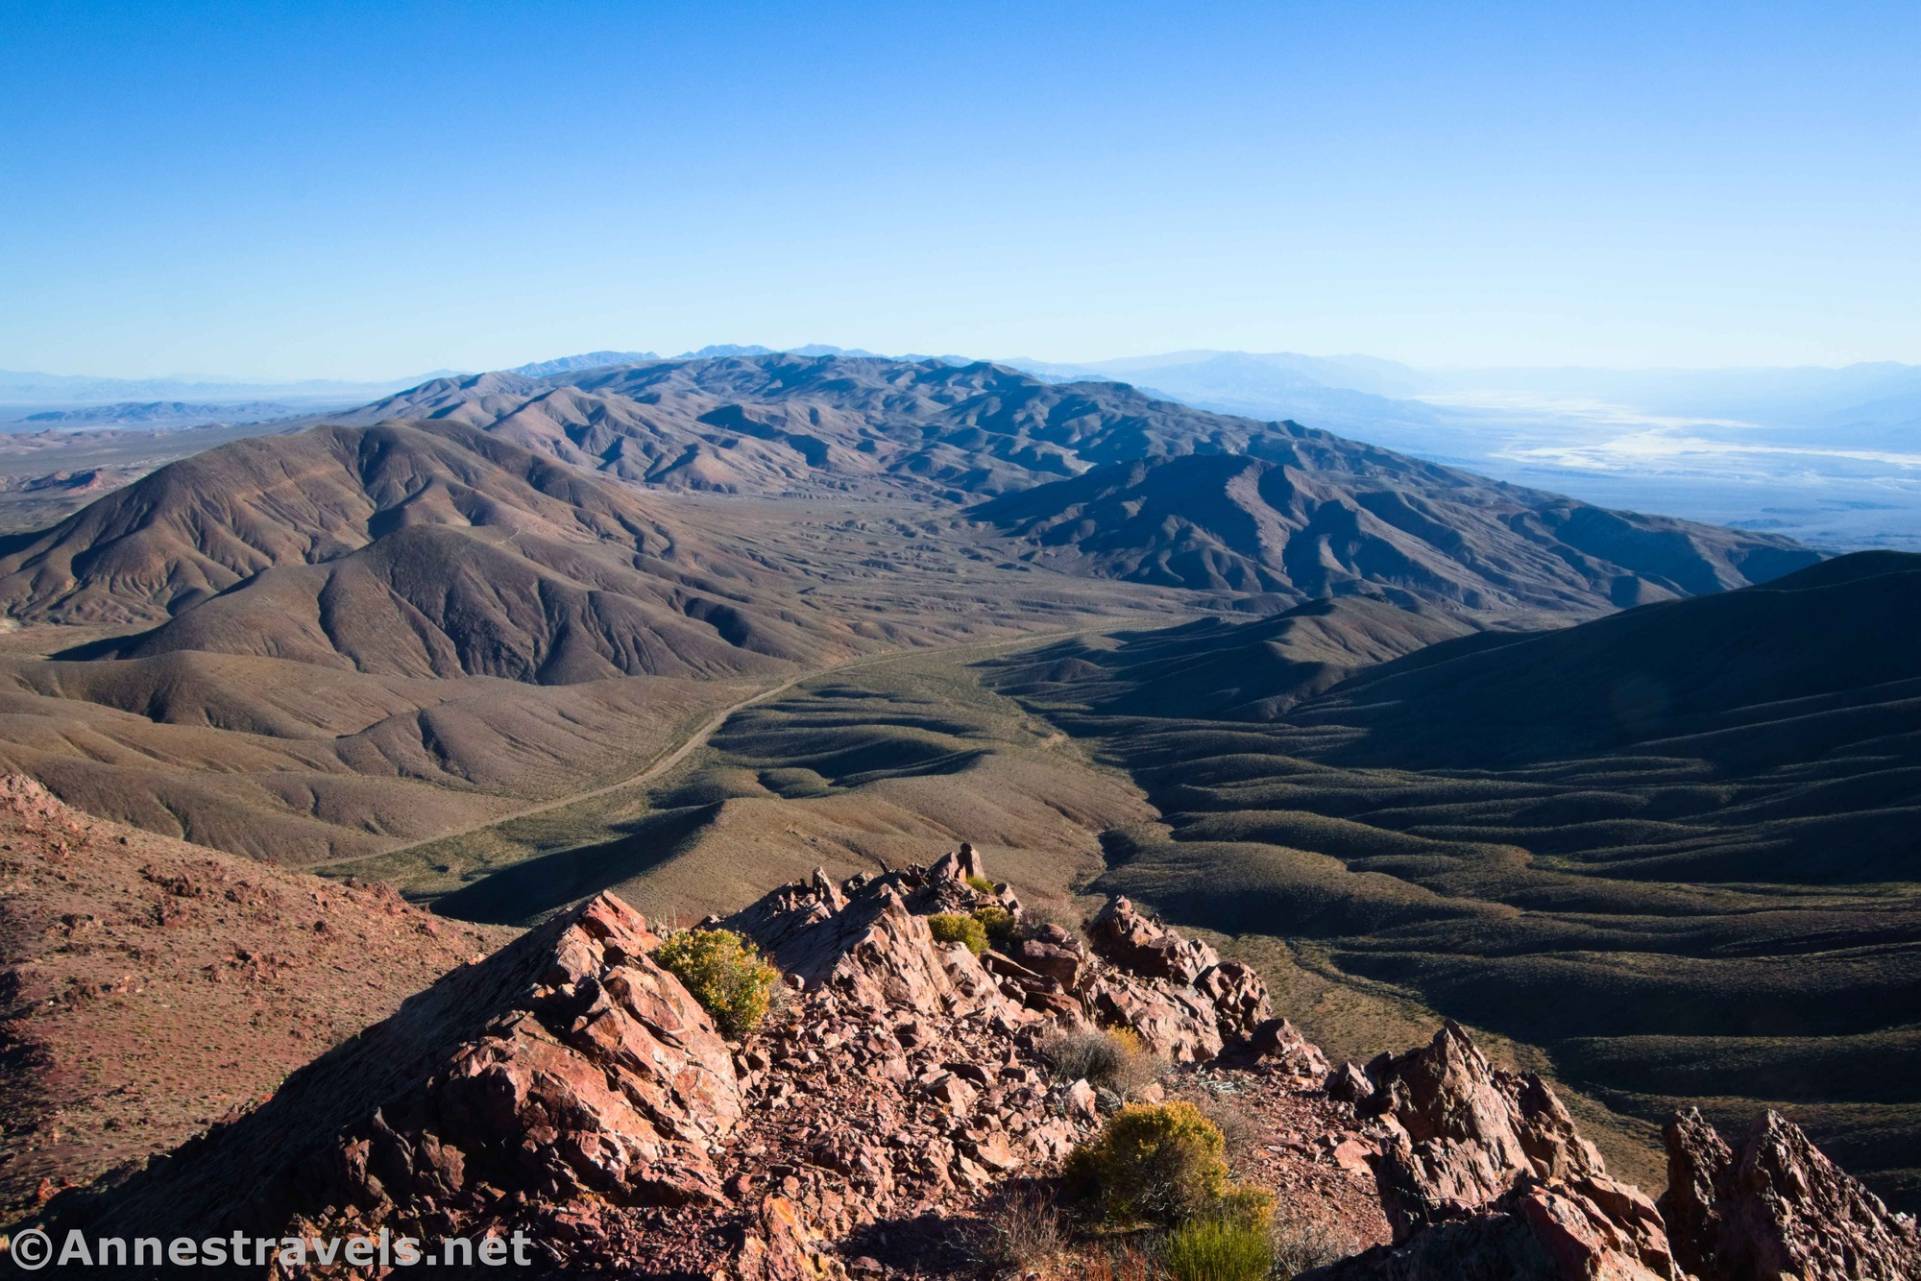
(1776,1205)
(1461,1133)
(566,1070)
(1483,1175)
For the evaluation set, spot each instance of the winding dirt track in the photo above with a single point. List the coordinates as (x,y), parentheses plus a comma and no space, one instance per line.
(673,756)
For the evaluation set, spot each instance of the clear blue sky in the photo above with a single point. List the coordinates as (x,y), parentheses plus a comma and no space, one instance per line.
(343,189)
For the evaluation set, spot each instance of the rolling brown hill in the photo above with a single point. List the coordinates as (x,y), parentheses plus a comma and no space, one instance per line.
(404,550)
(1675,847)
(1305,515)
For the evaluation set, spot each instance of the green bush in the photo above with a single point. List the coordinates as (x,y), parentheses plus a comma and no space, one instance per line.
(1165,1164)
(1153,1163)
(1109,1058)
(725,973)
(981,884)
(1217,1250)
(999,924)
(952,927)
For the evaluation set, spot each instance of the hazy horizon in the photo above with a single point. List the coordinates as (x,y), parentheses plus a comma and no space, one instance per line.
(359,378)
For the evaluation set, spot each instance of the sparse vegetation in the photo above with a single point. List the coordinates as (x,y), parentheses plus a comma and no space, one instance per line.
(725,973)
(1022,1232)
(953,927)
(1164,1164)
(999,924)
(980,884)
(1107,1058)
(1217,1250)
(1300,1245)
(1238,1129)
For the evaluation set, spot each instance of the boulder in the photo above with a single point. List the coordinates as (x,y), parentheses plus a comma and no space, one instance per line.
(963,864)
(1462,1133)
(1062,959)
(1279,1045)
(1348,1084)
(1137,942)
(1239,997)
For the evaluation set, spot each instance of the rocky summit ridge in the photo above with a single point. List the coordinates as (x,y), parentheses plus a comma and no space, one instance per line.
(902,1094)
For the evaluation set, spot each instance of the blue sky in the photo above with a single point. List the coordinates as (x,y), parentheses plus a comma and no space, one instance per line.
(369,190)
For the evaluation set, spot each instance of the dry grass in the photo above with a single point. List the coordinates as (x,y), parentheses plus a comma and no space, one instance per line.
(1106,1058)
(1023,1232)
(1299,1245)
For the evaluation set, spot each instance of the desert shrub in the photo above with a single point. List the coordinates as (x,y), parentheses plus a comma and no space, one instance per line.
(980,884)
(725,973)
(1036,917)
(999,924)
(1153,1163)
(1301,1245)
(1247,1206)
(1217,1250)
(1022,1232)
(1110,1058)
(952,927)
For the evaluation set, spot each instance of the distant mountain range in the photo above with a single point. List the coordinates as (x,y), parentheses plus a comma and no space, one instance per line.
(162,413)
(20,388)
(1099,478)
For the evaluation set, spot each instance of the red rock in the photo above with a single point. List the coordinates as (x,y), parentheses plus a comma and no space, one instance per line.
(1348,1084)
(1239,997)
(1062,962)
(1776,1205)
(1464,1133)
(779,1246)
(1279,1044)
(1137,942)
(1587,1229)
(1175,1022)
(567,1067)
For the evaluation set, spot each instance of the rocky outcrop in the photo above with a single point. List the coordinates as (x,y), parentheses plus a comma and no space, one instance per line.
(1055,953)
(568,1069)
(571,1088)
(1776,1205)
(1585,1229)
(1176,1023)
(1138,942)
(1483,1175)
(1461,1133)
(1279,1045)
(1238,996)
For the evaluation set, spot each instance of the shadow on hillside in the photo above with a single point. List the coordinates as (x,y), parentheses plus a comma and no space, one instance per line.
(527,891)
